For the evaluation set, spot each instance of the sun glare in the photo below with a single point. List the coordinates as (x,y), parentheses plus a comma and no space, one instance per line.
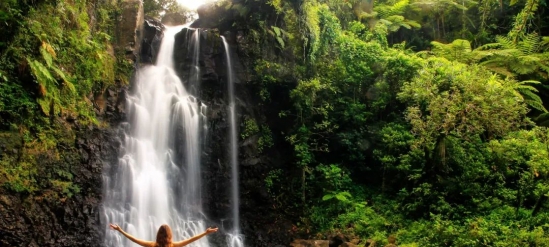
(192,4)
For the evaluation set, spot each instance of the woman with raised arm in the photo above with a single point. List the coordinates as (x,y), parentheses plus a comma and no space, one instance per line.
(163,237)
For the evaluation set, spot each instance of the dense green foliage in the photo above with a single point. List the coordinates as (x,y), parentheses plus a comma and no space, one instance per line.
(56,58)
(409,118)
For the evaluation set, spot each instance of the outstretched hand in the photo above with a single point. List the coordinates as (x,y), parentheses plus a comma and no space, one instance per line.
(115,227)
(211,230)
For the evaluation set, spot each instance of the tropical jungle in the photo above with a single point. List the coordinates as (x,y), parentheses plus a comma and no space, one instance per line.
(409,123)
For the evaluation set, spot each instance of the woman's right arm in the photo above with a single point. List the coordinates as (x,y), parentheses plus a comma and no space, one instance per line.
(132,238)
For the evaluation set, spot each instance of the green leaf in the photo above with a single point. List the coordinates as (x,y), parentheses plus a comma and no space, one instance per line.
(47,57)
(327,197)
(41,73)
(280,41)
(341,197)
(277,30)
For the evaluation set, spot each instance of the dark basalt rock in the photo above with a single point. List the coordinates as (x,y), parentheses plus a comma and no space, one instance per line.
(153,32)
(43,219)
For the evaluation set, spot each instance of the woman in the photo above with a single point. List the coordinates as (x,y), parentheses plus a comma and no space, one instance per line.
(163,237)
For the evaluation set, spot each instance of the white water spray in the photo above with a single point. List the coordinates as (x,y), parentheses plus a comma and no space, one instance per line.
(158,180)
(235,238)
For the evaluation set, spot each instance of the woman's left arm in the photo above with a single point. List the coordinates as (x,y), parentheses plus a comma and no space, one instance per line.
(197,237)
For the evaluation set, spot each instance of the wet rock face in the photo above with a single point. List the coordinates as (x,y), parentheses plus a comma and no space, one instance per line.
(46,220)
(129,28)
(260,224)
(153,32)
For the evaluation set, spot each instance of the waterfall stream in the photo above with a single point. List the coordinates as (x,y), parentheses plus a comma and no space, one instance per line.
(157,180)
(235,238)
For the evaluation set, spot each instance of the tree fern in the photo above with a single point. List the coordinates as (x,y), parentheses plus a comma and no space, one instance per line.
(499,61)
(510,58)
(392,16)
(390,10)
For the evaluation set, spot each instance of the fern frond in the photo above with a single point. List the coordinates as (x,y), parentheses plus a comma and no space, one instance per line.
(505,42)
(461,44)
(526,88)
(395,18)
(490,46)
(530,44)
(386,22)
(46,56)
(529,95)
(545,42)
(458,50)
(498,69)
(413,23)
(542,119)
(530,82)
(509,53)
(399,7)
(41,73)
(536,105)
(396,9)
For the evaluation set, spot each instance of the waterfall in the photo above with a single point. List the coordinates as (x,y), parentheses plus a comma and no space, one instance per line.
(235,238)
(157,180)
(194,76)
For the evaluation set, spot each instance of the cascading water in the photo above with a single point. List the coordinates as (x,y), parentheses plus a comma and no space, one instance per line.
(157,180)
(194,76)
(235,238)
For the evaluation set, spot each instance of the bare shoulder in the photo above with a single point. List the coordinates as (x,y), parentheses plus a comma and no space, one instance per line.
(148,244)
(180,243)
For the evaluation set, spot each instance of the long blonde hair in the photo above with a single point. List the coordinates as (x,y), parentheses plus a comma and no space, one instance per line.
(164,236)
